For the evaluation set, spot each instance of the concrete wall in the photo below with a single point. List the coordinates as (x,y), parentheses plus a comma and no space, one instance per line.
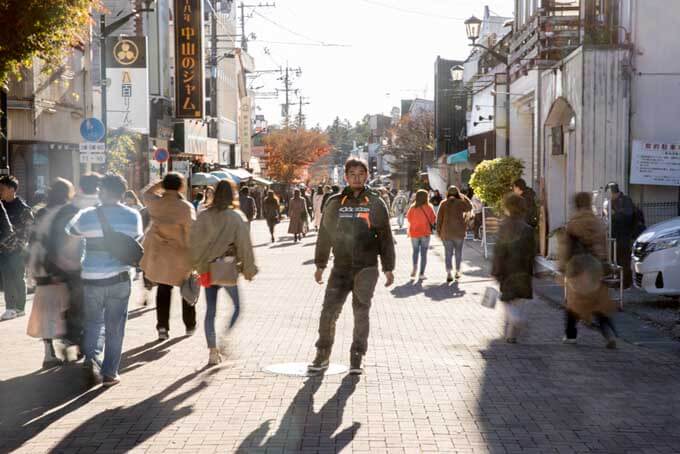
(656,81)
(522,131)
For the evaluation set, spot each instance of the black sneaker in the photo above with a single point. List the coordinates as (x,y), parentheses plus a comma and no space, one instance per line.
(107,382)
(355,364)
(321,362)
(163,334)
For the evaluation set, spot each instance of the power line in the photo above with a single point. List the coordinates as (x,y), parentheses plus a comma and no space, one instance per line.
(293,43)
(300,35)
(423,13)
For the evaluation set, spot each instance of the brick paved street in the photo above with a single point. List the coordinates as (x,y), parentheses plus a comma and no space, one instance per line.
(438,378)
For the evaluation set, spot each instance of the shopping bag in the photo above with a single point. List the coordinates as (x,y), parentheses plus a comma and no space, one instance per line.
(490,297)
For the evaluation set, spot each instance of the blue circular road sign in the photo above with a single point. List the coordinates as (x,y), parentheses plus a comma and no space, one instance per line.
(161,155)
(92,130)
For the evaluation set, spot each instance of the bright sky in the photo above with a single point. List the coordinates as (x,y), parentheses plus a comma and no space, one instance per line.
(391,49)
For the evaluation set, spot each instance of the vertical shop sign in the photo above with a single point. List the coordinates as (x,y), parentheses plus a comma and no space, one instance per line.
(189,99)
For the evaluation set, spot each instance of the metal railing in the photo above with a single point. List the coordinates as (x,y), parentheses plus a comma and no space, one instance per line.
(656,212)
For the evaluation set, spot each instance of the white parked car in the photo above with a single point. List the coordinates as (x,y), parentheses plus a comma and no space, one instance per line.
(656,259)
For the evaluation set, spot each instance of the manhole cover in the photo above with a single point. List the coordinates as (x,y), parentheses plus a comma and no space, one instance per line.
(300,369)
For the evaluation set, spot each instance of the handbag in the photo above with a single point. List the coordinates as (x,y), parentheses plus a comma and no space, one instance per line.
(224,270)
(191,289)
(433,227)
(490,297)
(122,247)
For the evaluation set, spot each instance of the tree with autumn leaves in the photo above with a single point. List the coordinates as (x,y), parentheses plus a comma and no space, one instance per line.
(411,146)
(289,152)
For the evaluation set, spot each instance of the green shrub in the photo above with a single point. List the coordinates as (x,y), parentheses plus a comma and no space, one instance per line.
(492,179)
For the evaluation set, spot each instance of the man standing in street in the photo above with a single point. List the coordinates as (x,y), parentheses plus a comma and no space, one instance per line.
(356,226)
(623,225)
(14,248)
(106,279)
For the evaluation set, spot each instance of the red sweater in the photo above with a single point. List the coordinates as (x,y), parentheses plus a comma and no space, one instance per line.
(420,220)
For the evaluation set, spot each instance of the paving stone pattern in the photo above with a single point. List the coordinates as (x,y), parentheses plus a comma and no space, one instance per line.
(438,378)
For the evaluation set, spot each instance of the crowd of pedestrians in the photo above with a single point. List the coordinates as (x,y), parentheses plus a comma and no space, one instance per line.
(83,249)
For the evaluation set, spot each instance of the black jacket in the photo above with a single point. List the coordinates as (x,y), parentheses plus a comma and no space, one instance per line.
(357,230)
(21,218)
(530,207)
(623,212)
(513,261)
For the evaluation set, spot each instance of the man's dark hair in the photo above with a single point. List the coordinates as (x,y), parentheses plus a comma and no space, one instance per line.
(89,183)
(614,188)
(60,192)
(113,184)
(521,184)
(355,162)
(583,200)
(514,204)
(173,181)
(244,190)
(10,181)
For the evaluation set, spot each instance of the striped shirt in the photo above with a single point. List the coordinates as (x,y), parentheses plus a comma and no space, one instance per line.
(99,264)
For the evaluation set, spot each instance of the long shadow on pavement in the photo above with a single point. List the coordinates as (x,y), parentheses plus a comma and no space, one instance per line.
(28,402)
(302,428)
(576,398)
(121,429)
(149,352)
(441,292)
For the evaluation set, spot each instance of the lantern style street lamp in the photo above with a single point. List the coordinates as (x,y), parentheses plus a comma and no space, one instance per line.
(472,27)
(457,73)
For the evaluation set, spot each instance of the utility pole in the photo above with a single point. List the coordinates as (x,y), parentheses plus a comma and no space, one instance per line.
(301,118)
(213,68)
(244,38)
(287,89)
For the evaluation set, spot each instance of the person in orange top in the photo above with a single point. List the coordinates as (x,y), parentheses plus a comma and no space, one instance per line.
(421,219)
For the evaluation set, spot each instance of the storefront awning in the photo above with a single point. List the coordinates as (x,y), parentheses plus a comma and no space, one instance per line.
(462,157)
(263,181)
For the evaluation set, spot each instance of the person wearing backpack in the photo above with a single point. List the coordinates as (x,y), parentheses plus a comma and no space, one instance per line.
(622,213)
(111,232)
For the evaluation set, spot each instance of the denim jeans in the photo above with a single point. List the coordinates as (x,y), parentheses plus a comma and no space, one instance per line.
(105,310)
(420,246)
(400,219)
(211,311)
(12,272)
(451,247)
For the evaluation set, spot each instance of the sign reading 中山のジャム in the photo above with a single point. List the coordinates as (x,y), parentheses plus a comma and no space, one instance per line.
(655,163)
(189,59)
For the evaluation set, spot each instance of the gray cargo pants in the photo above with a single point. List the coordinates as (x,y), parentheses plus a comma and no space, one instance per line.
(361,283)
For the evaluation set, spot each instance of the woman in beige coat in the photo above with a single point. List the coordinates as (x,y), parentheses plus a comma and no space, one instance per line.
(167,260)
(221,231)
(297,213)
(583,252)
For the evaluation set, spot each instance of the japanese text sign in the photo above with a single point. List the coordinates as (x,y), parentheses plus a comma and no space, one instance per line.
(189,103)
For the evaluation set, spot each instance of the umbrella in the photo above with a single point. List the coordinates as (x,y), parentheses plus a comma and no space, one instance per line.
(204,179)
(224,176)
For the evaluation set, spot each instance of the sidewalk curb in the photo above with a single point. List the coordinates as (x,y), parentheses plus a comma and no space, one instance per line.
(631,329)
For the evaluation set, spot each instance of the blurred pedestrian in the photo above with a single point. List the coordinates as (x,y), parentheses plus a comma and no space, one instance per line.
(356,227)
(220,234)
(166,261)
(583,255)
(131,200)
(317,201)
(422,221)
(477,208)
(519,187)
(513,264)
(106,278)
(297,213)
(51,300)
(205,202)
(436,200)
(272,212)
(623,228)
(400,207)
(335,189)
(451,228)
(247,204)
(14,248)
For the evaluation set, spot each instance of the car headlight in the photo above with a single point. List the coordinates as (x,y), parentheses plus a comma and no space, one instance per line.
(663,243)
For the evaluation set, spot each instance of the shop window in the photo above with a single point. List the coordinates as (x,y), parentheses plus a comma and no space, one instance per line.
(557,140)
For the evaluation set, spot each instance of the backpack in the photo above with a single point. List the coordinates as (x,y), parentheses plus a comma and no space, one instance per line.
(122,247)
(639,224)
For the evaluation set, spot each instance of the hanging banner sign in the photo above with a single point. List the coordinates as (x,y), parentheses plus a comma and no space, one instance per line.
(128,95)
(189,96)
